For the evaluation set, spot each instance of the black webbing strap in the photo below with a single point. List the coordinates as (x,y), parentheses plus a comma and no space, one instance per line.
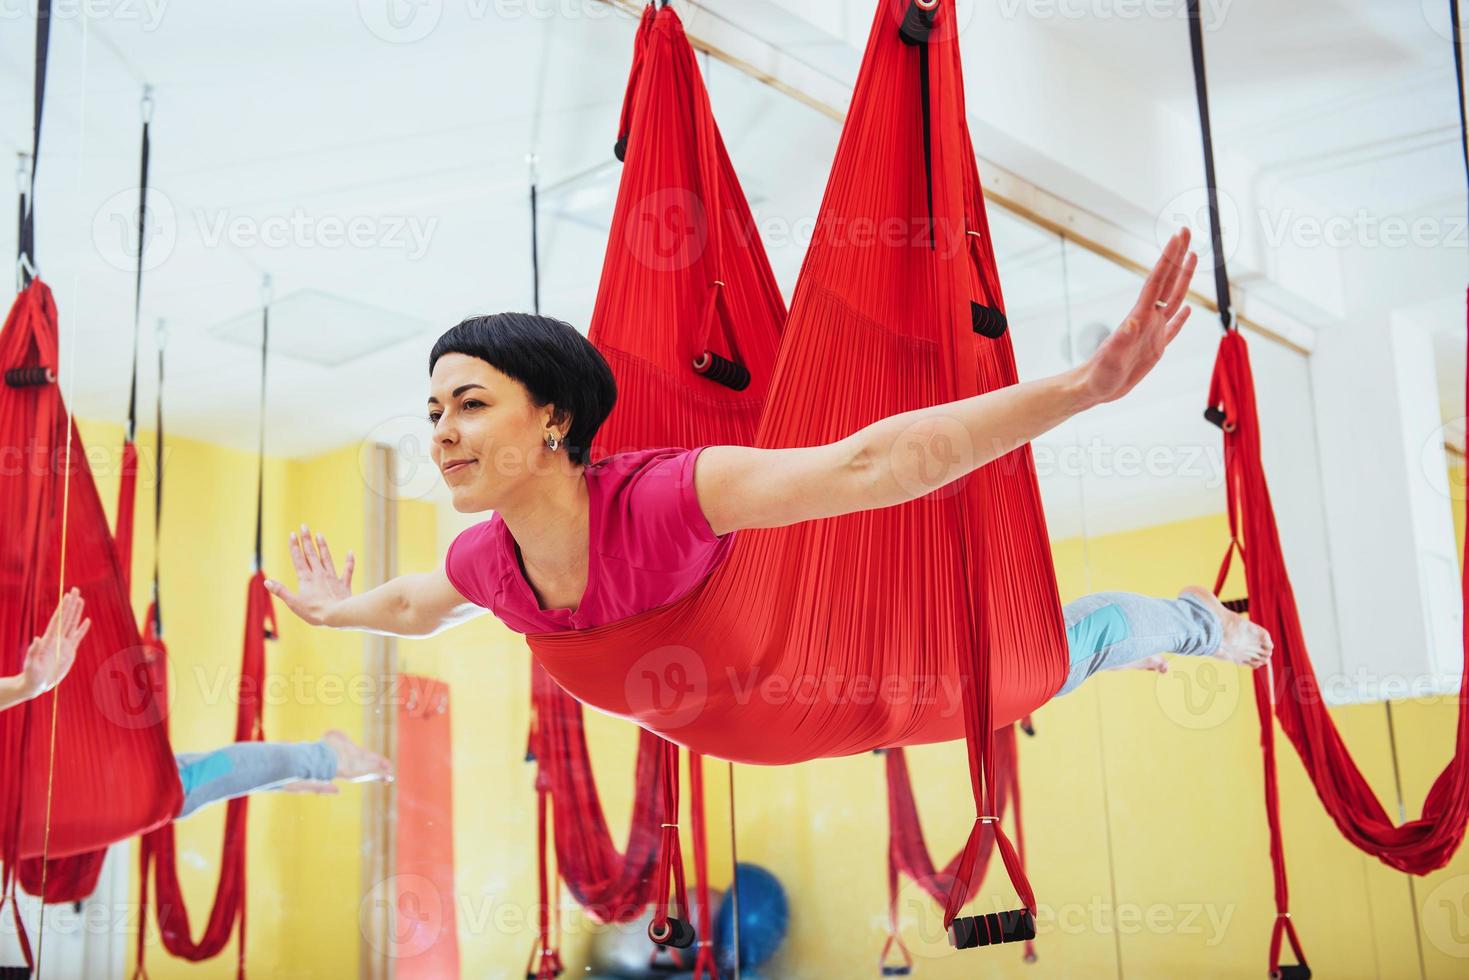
(535,249)
(20,213)
(1216,239)
(26,252)
(1459,79)
(260,480)
(925,96)
(132,428)
(158,490)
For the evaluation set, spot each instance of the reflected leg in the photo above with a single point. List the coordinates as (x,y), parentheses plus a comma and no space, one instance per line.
(249,767)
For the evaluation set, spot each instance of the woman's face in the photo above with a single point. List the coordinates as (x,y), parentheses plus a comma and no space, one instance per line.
(488,435)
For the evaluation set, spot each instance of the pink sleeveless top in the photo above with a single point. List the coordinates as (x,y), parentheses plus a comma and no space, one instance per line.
(650,545)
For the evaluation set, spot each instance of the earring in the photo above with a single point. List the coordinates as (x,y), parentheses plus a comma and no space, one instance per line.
(553,443)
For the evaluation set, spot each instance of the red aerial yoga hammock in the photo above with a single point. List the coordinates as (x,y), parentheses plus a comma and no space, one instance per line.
(113,773)
(71,879)
(678,177)
(957,586)
(1288,690)
(156,853)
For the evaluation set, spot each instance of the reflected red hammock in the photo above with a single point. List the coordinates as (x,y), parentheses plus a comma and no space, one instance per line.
(839,636)
(157,853)
(1417,846)
(114,773)
(1288,689)
(72,879)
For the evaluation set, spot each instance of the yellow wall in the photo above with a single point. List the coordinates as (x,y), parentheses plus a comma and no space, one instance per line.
(302,869)
(1458,491)
(1148,848)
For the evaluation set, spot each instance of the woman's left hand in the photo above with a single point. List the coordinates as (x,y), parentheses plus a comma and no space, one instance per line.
(1134,348)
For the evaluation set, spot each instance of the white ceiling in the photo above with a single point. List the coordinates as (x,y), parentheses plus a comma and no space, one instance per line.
(377,171)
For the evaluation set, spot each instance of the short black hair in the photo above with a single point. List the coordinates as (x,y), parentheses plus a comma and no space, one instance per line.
(555,363)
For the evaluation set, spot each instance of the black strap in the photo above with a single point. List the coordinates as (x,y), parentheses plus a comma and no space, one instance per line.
(1459,78)
(132,428)
(260,480)
(1216,239)
(27,237)
(925,96)
(20,217)
(535,249)
(158,491)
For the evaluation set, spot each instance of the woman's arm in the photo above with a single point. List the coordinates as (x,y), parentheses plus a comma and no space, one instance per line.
(50,657)
(903,457)
(416,605)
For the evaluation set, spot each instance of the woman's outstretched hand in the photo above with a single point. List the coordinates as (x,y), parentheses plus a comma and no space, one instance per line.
(50,657)
(318,586)
(1134,348)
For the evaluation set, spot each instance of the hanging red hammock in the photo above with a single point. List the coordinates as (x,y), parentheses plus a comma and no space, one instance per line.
(953,590)
(157,853)
(72,879)
(1418,846)
(1288,691)
(114,773)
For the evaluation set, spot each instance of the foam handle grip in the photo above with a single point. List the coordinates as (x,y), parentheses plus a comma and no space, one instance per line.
(1240,606)
(897,971)
(27,377)
(619,149)
(987,321)
(1291,971)
(679,934)
(1215,416)
(723,371)
(917,22)
(973,931)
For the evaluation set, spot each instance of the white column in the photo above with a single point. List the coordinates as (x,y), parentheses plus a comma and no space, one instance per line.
(1390,526)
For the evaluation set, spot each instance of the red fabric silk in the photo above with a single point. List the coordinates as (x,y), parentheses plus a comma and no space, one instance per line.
(71,879)
(910,592)
(612,885)
(1417,846)
(157,851)
(425,930)
(114,774)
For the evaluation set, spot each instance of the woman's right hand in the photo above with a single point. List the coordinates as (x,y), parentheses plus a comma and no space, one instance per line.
(319,587)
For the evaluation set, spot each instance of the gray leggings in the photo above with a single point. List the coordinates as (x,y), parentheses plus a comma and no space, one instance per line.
(249,767)
(1114,629)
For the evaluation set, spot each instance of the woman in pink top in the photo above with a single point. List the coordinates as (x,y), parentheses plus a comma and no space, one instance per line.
(515,401)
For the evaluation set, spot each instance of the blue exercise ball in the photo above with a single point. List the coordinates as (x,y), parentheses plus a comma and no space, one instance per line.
(764,917)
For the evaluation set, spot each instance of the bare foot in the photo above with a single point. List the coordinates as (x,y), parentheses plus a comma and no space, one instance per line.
(1243,642)
(354,763)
